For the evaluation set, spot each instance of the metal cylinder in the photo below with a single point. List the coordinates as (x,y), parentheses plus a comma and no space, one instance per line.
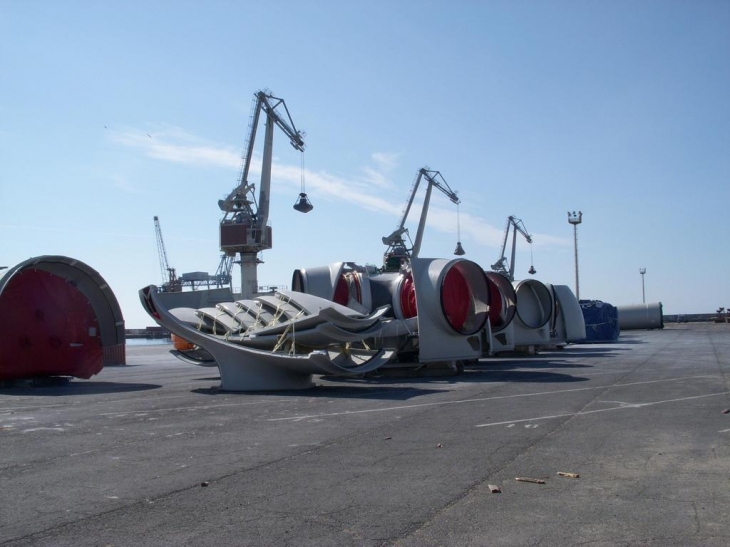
(641,316)
(534,303)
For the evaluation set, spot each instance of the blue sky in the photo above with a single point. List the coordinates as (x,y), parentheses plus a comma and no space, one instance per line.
(618,109)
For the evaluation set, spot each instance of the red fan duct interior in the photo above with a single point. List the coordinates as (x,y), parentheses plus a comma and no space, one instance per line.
(455,298)
(57,318)
(407,297)
(502,301)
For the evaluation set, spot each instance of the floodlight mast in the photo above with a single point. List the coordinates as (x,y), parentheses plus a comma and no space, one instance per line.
(244,228)
(396,243)
(642,271)
(575,220)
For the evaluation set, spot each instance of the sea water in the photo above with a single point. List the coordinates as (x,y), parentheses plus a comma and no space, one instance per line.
(148,341)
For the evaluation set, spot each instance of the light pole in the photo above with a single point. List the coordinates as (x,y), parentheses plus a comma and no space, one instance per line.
(642,271)
(576,219)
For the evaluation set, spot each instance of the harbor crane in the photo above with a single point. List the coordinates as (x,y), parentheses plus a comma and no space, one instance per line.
(223,273)
(170,282)
(501,265)
(244,229)
(397,248)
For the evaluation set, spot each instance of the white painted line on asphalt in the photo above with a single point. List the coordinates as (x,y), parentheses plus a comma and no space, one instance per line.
(78,404)
(482,399)
(621,403)
(557,370)
(120,414)
(624,407)
(724,431)
(622,371)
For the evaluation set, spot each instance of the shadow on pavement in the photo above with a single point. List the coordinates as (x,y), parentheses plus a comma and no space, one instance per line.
(59,387)
(508,376)
(368,389)
(509,365)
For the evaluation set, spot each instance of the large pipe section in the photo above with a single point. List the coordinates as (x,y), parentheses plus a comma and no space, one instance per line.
(531,313)
(453,307)
(58,317)
(500,334)
(502,301)
(535,308)
(568,323)
(341,282)
(534,303)
(526,313)
(641,316)
(444,302)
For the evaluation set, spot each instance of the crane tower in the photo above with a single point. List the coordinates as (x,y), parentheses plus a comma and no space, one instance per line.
(244,229)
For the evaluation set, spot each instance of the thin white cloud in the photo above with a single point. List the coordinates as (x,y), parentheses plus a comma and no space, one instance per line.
(447,221)
(386,161)
(335,187)
(169,143)
(376,178)
(378,175)
(195,155)
(547,241)
(122,184)
(175,145)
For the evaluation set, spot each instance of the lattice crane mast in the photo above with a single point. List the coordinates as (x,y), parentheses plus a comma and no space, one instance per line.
(501,265)
(170,282)
(397,248)
(244,229)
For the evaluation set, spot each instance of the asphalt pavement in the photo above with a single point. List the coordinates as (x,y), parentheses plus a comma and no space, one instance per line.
(155,454)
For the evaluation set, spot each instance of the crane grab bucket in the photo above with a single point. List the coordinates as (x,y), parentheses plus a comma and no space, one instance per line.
(303,204)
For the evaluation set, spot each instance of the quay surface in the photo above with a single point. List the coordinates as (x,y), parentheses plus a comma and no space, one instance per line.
(154,454)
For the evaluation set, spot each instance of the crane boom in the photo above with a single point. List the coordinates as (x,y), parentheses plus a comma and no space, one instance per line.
(444,187)
(435,179)
(517,226)
(267,103)
(244,228)
(169,279)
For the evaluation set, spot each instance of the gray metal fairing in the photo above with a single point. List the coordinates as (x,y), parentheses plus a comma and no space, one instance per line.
(572,320)
(246,368)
